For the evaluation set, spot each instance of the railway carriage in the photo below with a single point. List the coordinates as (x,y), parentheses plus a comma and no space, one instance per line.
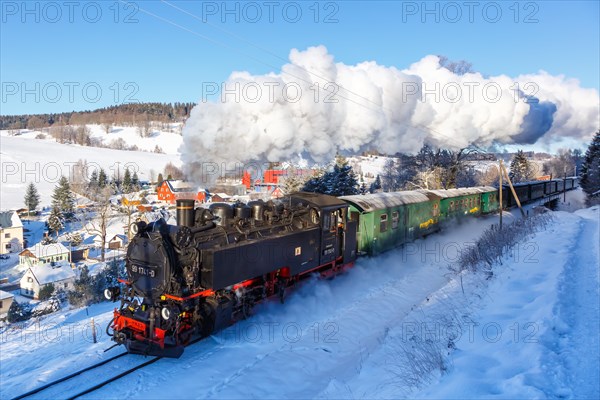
(550,187)
(456,203)
(536,191)
(387,220)
(489,199)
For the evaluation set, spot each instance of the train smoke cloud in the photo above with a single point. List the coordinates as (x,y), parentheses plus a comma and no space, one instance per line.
(315,107)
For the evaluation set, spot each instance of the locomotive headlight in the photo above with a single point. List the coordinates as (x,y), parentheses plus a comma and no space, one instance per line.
(165,313)
(112,293)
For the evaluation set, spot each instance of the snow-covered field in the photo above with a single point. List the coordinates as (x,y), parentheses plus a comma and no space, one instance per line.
(25,159)
(533,331)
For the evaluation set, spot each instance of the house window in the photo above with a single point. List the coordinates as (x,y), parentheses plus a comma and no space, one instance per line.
(29,279)
(7,247)
(7,236)
(1,305)
(383,223)
(395,219)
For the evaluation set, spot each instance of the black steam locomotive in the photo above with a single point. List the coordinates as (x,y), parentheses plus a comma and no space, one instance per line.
(209,270)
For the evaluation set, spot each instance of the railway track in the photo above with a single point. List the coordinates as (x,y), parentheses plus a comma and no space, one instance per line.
(75,392)
(55,388)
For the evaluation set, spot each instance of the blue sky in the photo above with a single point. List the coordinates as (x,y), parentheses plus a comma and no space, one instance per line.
(62,56)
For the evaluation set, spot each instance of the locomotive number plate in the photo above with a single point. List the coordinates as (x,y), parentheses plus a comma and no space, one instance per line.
(144,271)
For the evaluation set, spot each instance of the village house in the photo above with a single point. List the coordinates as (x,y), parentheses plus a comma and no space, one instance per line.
(43,253)
(170,191)
(61,275)
(220,197)
(6,300)
(117,242)
(11,232)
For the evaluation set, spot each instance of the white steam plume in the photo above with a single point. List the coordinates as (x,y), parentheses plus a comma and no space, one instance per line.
(278,116)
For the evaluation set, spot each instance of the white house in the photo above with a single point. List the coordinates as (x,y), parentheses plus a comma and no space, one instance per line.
(43,253)
(60,275)
(6,300)
(11,232)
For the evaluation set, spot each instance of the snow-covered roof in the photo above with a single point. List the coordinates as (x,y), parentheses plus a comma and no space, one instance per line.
(46,250)
(377,201)
(446,193)
(5,295)
(120,237)
(222,195)
(10,219)
(46,274)
(180,186)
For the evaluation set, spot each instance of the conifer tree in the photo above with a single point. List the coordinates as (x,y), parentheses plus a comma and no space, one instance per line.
(375,186)
(135,181)
(102,178)
(55,221)
(63,198)
(93,183)
(521,169)
(339,182)
(590,170)
(18,312)
(32,198)
(127,181)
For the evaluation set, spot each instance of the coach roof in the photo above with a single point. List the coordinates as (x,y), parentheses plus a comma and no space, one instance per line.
(381,201)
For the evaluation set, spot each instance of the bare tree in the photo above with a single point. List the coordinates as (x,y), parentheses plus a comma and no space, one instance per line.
(96,220)
(173,172)
(78,178)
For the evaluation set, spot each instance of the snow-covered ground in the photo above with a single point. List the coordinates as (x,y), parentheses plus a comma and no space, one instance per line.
(25,159)
(533,331)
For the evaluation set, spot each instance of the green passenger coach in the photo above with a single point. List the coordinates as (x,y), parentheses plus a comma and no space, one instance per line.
(455,203)
(386,220)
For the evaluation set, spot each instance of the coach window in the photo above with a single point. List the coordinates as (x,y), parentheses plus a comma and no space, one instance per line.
(451,206)
(436,210)
(383,223)
(395,219)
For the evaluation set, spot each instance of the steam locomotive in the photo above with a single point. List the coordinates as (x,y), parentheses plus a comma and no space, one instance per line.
(212,267)
(189,280)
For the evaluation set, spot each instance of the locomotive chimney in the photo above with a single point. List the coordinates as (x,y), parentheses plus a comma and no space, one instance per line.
(185,213)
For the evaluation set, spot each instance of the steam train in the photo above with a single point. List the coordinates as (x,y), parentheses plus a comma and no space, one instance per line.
(189,280)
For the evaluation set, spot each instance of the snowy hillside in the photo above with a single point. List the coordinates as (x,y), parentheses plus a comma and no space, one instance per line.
(533,331)
(42,161)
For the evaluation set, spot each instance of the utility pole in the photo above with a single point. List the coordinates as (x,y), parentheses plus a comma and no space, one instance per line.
(565,186)
(500,190)
(512,189)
